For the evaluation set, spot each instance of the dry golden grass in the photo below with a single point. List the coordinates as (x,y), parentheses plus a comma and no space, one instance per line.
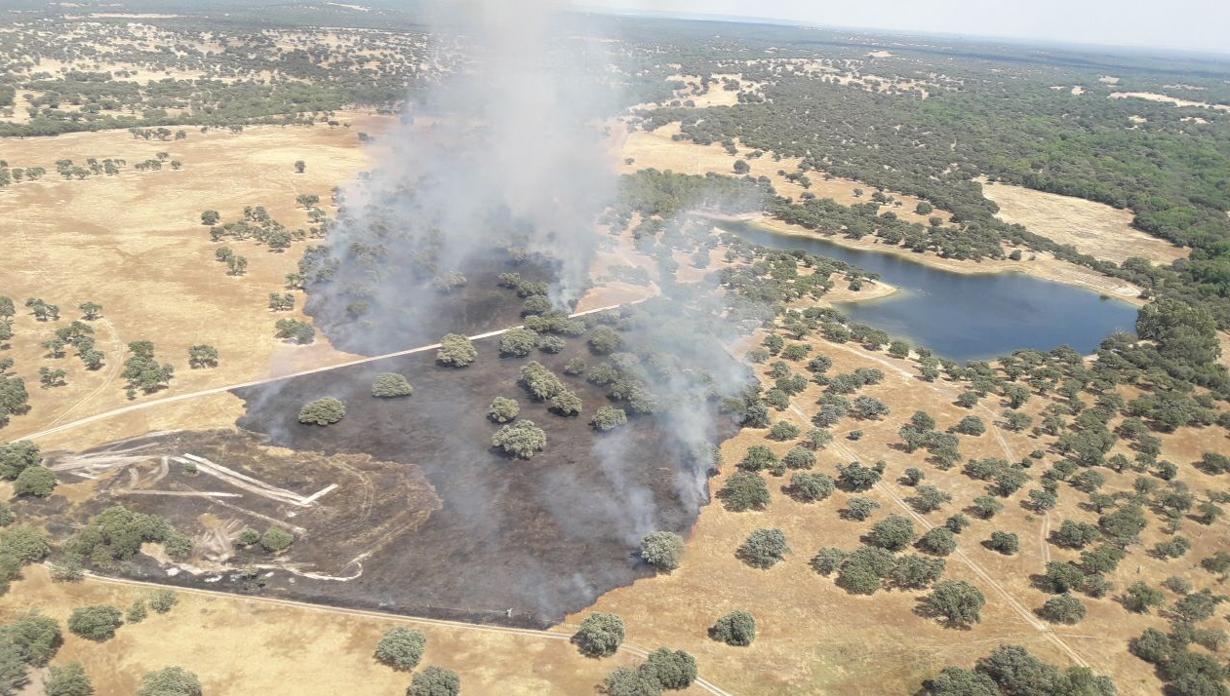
(239,647)
(134,243)
(655,149)
(1093,228)
(815,638)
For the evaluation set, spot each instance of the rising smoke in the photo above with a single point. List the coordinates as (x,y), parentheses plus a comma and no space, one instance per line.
(501,157)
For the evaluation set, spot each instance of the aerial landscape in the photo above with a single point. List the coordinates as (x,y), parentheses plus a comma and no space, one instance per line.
(440,347)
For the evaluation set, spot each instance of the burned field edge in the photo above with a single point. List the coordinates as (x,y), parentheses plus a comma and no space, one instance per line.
(542,537)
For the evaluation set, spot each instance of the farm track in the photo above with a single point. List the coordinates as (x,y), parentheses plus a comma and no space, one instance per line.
(72,425)
(626,647)
(1012,602)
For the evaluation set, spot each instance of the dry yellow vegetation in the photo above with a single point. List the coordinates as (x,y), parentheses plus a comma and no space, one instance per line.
(1093,228)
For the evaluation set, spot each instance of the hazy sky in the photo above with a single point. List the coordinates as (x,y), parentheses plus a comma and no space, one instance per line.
(1198,25)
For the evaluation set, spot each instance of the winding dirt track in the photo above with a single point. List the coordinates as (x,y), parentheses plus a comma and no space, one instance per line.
(1012,602)
(626,647)
(71,425)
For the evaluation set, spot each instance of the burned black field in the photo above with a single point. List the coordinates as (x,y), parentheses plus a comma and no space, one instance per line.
(540,537)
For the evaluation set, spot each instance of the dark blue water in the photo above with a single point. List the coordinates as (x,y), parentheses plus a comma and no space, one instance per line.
(961,316)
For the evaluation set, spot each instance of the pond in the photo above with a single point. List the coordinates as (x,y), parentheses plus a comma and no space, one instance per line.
(962,316)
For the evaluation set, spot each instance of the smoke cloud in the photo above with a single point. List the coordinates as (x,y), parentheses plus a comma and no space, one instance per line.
(501,156)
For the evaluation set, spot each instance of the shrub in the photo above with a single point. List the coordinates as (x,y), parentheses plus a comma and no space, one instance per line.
(326,411)
(37,481)
(957,523)
(955,602)
(456,351)
(503,410)
(163,601)
(522,439)
(763,548)
(893,533)
(401,648)
(96,623)
(662,550)
(608,418)
(599,635)
(391,385)
(435,681)
(170,681)
(736,628)
(1064,609)
(276,540)
(744,491)
(137,612)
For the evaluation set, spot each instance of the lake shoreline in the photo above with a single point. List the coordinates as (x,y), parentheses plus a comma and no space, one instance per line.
(1045,267)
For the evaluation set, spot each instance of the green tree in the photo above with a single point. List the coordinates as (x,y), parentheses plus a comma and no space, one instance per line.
(518,343)
(522,439)
(810,488)
(69,680)
(323,411)
(956,603)
(456,351)
(763,548)
(1140,598)
(161,601)
(938,541)
(37,481)
(401,648)
(893,533)
(608,418)
(38,637)
(170,681)
(391,385)
(435,681)
(90,310)
(97,622)
(202,355)
(599,635)
(1064,609)
(503,410)
(276,540)
(662,550)
(675,669)
(632,681)
(744,491)
(737,628)
(210,218)
(1006,543)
